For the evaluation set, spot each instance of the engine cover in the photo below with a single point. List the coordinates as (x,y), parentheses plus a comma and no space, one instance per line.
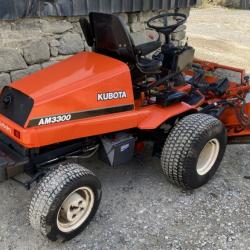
(85,85)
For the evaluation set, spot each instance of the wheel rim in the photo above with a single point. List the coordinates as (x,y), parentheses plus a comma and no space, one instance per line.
(208,157)
(75,209)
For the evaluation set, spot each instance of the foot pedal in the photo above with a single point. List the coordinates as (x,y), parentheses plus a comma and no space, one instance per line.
(167,98)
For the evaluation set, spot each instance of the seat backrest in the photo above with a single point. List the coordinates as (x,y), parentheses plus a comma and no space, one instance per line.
(112,37)
(87,31)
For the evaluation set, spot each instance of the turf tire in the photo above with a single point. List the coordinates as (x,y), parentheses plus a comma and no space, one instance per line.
(50,193)
(183,146)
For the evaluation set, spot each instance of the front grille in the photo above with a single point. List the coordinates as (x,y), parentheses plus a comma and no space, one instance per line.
(15,105)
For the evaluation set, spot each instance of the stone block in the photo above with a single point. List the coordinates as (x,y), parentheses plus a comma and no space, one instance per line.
(4,79)
(136,27)
(132,18)
(145,16)
(71,44)
(27,24)
(73,19)
(5,25)
(54,51)
(59,58)
(15,44)
(77,28)
(16,75)
(18,38)
(37,52)
(11,59)
(47,64)
(181,28)
(185,11)
(56,27)
(139,37)
(178,36)
(54,43)
(86,47)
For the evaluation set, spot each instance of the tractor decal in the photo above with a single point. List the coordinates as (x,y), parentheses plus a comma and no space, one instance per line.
(79,115)
(5,127)
(111,96)
(54,119)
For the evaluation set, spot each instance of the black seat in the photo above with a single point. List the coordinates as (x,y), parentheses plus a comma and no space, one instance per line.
(108,35)
(149,66)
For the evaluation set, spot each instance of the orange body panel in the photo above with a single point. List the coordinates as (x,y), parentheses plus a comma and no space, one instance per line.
(229,117)
(206,65)
(144,118)
(153,116)
(72,86)
(234,127)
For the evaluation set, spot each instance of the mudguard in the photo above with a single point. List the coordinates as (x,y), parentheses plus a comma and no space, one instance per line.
(154,116)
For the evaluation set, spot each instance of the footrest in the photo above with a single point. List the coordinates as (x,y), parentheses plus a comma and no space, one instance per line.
(11,163)
(170,97)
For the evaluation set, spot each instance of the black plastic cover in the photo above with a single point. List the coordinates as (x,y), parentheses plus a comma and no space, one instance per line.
(147,48)
(87,31)
(111,37)
(15,105)
(177,59)
(148,66)
(11,162)
(184,59)
(169,97)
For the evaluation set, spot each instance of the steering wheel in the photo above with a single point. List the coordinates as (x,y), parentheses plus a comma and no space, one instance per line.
(167,29)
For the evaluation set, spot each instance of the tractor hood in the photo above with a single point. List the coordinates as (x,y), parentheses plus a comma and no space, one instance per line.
(84,82)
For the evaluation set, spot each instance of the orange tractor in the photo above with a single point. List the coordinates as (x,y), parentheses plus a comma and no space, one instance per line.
(111,101)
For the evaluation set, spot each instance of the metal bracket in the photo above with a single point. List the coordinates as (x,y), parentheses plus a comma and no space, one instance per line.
(34,178)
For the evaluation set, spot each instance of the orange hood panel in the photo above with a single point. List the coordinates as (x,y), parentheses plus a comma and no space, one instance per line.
(73,85)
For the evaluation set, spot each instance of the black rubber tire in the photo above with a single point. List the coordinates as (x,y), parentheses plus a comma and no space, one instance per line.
(50,193)
(183,146)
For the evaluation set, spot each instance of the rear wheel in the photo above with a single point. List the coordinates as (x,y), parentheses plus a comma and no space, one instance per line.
(64,202)
(194,150)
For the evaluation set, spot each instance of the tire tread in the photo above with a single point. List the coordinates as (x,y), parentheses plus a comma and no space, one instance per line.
(47,191)
(179,143)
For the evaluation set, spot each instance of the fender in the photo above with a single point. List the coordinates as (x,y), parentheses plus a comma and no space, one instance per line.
(154,116)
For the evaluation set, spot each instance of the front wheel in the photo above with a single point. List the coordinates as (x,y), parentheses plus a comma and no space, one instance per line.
(64,202)
(194,150)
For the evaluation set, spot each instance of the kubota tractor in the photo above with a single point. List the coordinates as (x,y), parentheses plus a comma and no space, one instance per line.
(111,100)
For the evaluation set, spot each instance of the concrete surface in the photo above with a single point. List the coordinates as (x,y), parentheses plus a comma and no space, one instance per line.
(140,209)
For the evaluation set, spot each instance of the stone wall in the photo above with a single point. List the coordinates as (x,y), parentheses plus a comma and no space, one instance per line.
(31,44)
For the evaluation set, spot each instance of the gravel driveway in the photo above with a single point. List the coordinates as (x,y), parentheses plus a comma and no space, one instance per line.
(140,209)
(221,35)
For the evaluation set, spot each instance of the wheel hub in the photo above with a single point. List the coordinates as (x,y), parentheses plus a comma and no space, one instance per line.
(75,209)
(208,157)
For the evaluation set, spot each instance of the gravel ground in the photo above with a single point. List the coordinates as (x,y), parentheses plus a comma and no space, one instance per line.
(140,209)
(221,35)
